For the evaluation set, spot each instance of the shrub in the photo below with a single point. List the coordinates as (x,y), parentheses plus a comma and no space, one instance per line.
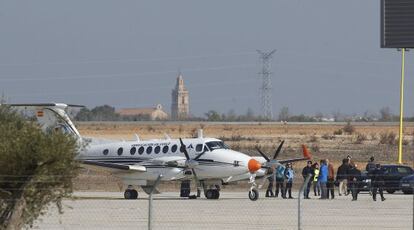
(36,169)
(338,132)
(315,148)
(313,138)
(360,138)
(327,136)
(373,136)
(387,138)
(348,128)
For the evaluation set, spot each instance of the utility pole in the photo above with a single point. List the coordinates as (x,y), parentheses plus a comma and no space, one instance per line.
(266,87)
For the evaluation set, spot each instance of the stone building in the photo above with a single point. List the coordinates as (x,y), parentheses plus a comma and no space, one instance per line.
(155,113)
(180,109)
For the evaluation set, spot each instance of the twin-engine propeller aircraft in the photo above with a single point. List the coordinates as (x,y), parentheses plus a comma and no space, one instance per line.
(208,161)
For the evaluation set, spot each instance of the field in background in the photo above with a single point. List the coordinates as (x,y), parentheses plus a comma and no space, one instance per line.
(324,141)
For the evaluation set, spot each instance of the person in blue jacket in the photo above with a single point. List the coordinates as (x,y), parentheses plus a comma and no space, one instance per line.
(323,179)
(280,178)
(289,174)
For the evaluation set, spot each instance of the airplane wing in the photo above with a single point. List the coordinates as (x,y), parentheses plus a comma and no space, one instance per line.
(112,167)
(306,156)
(173,161)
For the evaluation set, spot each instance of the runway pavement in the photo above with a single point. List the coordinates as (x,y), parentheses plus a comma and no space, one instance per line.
(104,210)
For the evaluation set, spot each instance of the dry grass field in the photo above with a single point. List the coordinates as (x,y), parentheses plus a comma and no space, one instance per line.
(324,141)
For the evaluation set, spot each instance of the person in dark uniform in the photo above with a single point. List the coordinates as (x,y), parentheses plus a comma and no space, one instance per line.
(377,182)
(370,169)
(342,177)
(270,178)
(307,171)
(354,181)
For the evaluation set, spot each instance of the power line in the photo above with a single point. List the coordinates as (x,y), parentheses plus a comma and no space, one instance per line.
(100,76)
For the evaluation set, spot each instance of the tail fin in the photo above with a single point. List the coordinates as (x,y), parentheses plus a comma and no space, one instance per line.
(53,116)
(306,152)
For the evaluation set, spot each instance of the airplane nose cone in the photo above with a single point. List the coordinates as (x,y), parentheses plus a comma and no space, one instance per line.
(253,165)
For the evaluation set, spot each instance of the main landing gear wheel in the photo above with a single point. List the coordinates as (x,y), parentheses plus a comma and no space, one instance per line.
(253,194)
(212,194)
(130,194)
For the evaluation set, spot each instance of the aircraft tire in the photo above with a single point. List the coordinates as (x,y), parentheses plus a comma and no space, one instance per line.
(134,194)
(130,194)
(253,194)
(216,194)
(209,194)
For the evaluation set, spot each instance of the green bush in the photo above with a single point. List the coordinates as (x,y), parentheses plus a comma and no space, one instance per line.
(36,169)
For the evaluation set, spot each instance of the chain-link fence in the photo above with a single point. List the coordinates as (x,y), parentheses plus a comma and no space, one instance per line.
(233,210)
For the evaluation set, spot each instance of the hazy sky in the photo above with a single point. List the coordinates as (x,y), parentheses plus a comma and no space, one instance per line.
(127,54)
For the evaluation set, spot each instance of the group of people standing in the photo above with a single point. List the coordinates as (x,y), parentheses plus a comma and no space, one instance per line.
(323,180)
(348,176)
(284,175)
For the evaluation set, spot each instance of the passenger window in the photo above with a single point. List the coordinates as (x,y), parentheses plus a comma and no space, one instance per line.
(133,150)
(165,149)
(174,148)
(105,152)
(141,150)
(149,150)
(199,148)
(120,151)
(157,149)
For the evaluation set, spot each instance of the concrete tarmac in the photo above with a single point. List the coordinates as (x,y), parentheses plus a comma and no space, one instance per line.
(104,210)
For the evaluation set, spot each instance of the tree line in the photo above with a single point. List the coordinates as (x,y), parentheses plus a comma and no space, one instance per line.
(108,113)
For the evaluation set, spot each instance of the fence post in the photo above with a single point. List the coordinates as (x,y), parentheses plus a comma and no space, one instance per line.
(150,202)
(304,186)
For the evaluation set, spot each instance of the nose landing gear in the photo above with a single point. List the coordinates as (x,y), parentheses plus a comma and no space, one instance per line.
(130,193)
(253,194)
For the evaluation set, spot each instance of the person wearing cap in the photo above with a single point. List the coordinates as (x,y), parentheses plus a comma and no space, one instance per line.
(289,174)
(307,171)
(378,182)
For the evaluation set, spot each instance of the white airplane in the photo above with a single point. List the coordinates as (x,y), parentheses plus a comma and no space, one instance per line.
(208,161)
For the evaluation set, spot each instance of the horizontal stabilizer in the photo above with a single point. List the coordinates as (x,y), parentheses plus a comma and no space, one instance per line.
(45,105)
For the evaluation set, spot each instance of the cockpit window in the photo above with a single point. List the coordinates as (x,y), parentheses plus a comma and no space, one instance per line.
(213,145)
(199,147)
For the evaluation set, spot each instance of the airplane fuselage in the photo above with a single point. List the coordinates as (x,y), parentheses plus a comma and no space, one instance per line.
(217,162)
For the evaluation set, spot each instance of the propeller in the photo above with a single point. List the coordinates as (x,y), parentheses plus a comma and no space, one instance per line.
(191,163)
(273,161)
(270,163)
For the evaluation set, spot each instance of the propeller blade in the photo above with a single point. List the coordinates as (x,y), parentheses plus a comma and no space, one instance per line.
(263,155)
(199,155)
(183,148)
(264,179)
(278,150)
(197,181)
